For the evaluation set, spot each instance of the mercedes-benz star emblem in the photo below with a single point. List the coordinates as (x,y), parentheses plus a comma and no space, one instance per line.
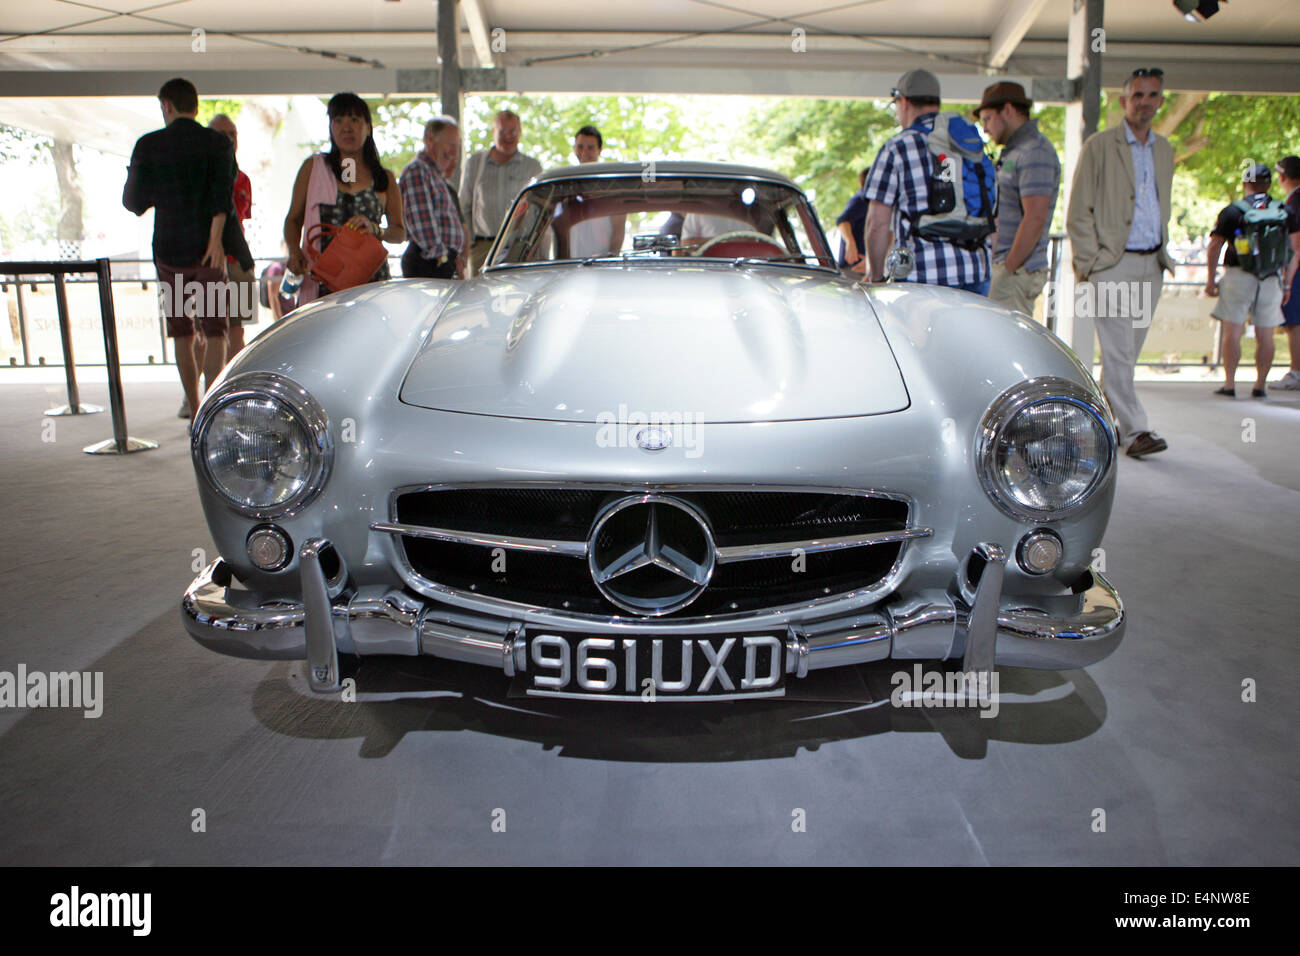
(654,437)
(651,554)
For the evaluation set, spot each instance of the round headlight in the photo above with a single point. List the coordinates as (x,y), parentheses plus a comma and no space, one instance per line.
(1045,447)
(263,444)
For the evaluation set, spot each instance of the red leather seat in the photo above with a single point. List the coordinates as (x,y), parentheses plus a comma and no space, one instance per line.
(739,248)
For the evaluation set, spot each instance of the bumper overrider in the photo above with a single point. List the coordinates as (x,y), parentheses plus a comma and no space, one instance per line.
(972,621)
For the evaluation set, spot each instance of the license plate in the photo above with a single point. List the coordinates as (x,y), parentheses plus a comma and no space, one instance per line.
(562,664)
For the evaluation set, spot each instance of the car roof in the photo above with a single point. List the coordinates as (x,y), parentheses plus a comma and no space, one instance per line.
(664,168)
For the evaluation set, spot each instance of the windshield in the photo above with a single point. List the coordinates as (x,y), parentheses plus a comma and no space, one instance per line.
(626,216)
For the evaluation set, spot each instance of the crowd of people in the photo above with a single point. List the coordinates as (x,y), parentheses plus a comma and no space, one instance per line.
(931,198)
(917,195)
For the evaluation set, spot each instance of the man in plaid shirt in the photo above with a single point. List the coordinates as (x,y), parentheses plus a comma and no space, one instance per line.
(432,217)
(896,189)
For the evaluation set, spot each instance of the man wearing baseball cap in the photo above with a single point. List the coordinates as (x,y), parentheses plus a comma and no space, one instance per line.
(1242,293)
(1288,177)
(1029,178)
(897,192)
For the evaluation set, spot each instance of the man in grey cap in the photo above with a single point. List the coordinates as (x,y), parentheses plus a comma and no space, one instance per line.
(1029,177)
(897,188)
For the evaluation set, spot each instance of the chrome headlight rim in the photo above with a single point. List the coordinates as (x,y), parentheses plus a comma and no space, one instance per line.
(1004,410)
(299,403)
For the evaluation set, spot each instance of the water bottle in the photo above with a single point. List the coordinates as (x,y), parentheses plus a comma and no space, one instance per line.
(290,284)
(1241,244)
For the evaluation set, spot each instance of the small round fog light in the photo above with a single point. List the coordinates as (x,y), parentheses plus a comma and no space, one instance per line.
(1040,552)
(268,547)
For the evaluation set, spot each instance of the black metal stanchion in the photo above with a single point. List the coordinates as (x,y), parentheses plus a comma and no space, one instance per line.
(121,443)
(22,320)
(74,406)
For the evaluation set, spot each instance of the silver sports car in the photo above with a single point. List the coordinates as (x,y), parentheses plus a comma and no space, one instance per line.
(661,447)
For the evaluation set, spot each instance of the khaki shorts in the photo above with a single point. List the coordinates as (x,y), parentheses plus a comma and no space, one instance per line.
(1017,291)
(1241,293)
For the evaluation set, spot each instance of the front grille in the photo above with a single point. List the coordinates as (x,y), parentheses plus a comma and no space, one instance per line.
(735,518)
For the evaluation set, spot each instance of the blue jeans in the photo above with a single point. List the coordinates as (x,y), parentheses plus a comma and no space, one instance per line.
(979,288)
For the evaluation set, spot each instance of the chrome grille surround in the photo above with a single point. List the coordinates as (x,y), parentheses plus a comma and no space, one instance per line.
(393,532)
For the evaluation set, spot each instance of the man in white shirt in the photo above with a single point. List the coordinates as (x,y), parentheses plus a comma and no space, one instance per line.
(599,235)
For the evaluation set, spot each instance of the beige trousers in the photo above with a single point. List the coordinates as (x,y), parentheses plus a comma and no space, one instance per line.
(478,253)
(1123,300)
(1017,291)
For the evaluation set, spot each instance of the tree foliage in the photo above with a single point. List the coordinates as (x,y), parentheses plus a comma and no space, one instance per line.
(822,144)
(209,108)
(634,127)
(1223,134)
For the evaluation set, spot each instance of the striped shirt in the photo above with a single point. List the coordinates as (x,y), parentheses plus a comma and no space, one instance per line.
(1028,167)
(899,177)
(487,189)
(429,211)
(1148,227)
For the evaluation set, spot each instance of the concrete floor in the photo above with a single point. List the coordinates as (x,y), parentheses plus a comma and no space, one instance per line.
(1204,546)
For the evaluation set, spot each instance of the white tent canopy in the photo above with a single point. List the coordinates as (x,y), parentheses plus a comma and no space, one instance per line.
(770,47)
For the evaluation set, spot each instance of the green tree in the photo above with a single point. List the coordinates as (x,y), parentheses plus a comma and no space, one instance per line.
(209,108)
(634,128)
(1219,135)
(822,144)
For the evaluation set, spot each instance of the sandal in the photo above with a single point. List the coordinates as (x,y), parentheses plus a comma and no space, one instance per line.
(1259,393)
(1230,392)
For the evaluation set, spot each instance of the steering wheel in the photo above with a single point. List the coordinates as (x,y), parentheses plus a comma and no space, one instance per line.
(737,234)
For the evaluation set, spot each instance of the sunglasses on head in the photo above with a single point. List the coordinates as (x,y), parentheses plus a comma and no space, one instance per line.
(1150,71)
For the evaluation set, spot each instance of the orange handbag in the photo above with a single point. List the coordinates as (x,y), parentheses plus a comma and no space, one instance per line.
(351,258)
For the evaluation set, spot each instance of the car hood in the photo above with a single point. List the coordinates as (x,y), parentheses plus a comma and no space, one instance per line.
(610,342)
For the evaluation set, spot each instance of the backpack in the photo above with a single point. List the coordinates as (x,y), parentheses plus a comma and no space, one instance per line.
(1264,230)
(963,185)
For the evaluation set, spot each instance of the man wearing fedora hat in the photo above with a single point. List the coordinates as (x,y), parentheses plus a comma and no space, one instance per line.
(1029,178)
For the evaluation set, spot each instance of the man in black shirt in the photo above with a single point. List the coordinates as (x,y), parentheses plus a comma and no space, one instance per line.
(1242,293)
(187,174)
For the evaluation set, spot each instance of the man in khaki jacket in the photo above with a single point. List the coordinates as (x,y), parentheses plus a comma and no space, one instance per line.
(1118,226)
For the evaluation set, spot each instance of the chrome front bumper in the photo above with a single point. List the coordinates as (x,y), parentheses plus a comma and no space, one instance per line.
(976,623)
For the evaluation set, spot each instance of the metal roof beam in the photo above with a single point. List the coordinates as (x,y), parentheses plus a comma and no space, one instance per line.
(478,32)
(1011,29)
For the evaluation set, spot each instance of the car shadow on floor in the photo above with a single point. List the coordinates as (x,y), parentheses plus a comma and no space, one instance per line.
(397,696)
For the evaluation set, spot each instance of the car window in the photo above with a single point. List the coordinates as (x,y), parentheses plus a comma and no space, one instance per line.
(705,217)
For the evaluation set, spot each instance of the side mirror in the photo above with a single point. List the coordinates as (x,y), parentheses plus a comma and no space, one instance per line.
(898,264)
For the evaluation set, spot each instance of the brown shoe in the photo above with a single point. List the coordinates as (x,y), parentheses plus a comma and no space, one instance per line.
(1146,443)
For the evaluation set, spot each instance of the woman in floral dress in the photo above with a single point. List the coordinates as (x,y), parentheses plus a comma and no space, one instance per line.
(348,186)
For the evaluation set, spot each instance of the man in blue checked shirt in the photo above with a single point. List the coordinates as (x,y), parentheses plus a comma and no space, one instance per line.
(432,218)
(896,190)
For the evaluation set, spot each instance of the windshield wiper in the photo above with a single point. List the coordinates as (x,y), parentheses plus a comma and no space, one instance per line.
(799,257)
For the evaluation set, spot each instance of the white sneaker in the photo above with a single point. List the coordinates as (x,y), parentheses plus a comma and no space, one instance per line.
(1291,380)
